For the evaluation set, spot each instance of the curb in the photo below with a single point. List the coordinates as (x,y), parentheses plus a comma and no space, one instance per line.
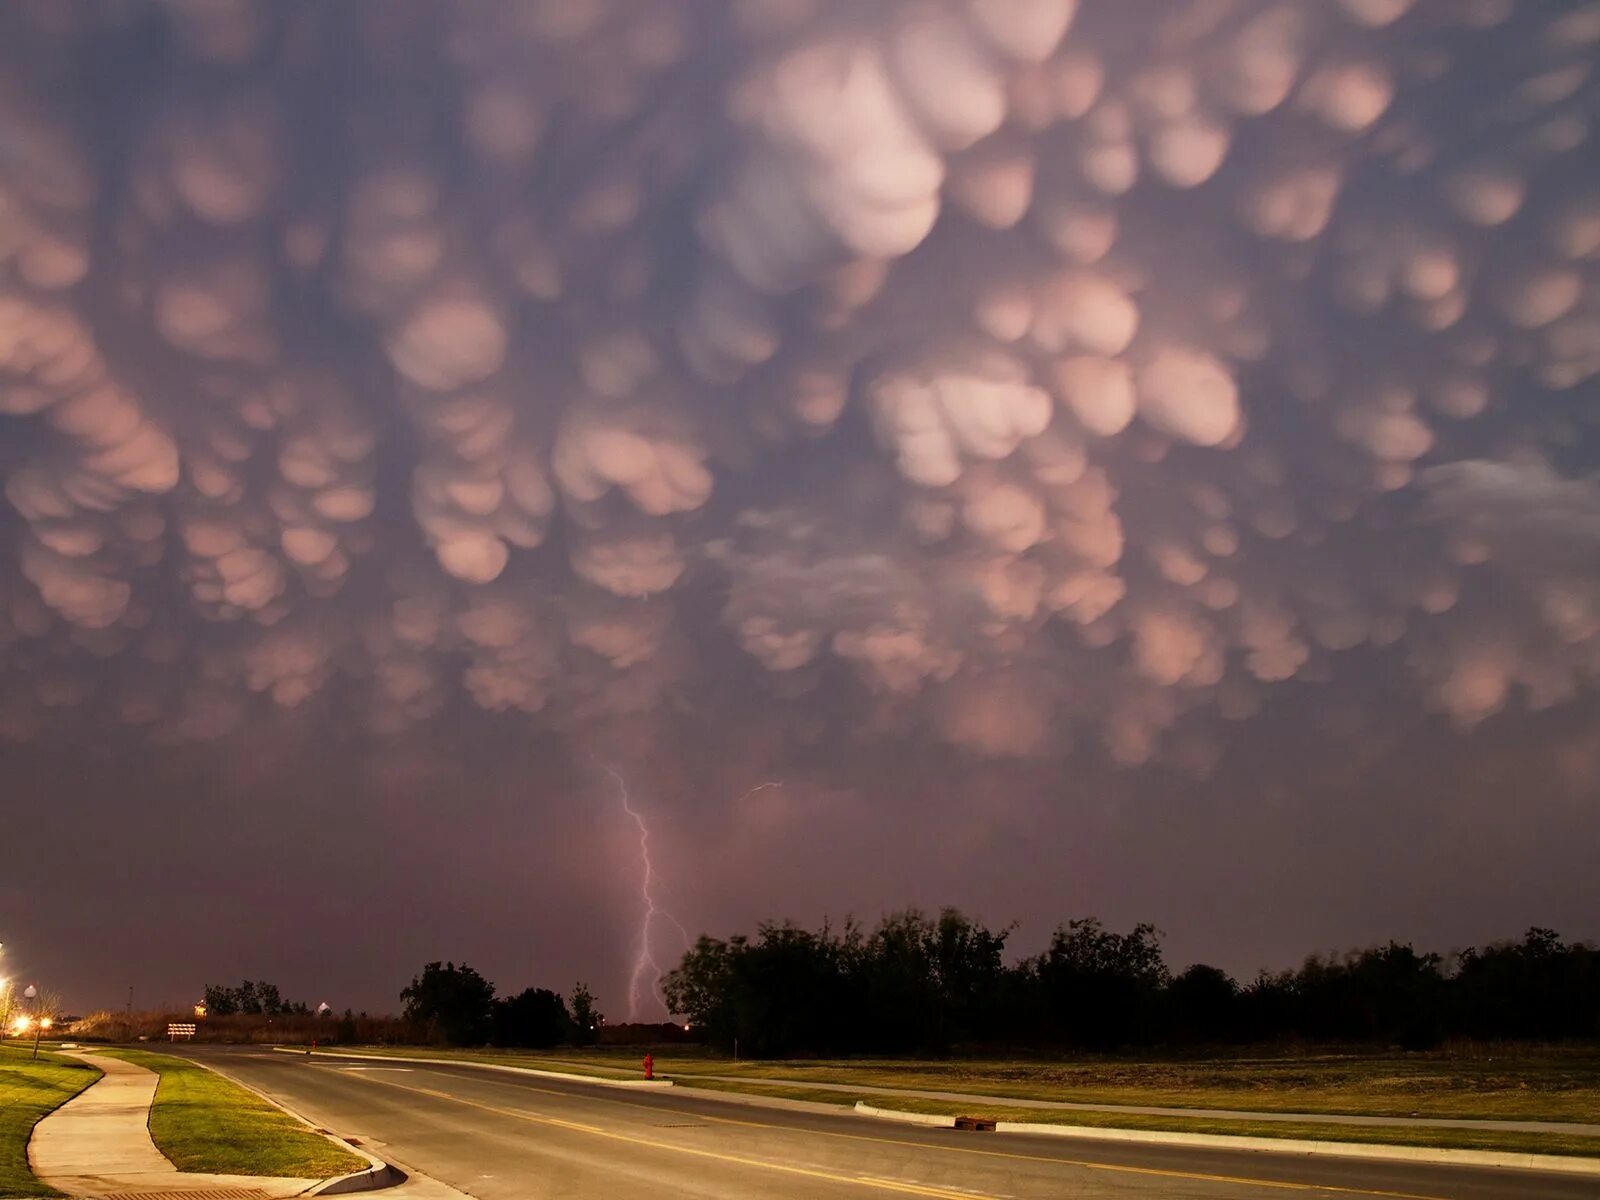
(1440,1155)
(570,1077)
(381,1175)
(1549,1163)
(931,1120)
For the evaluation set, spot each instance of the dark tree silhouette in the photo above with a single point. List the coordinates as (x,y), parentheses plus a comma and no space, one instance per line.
(586,1018)
(533,1017)
(450,1003)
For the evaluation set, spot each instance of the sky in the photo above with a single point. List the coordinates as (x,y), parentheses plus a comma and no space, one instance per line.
(1052,458)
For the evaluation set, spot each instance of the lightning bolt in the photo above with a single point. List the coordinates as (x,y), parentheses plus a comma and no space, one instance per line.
(645,966)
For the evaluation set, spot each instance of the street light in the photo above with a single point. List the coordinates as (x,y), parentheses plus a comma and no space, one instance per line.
(8,999)
(42,1023)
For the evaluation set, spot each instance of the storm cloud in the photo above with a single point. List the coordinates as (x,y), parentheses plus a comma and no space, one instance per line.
(1040,381)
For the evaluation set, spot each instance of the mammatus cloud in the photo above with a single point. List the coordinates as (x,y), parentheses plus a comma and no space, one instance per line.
(1030,375)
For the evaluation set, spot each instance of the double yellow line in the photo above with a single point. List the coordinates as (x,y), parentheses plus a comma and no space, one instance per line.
(865,1181)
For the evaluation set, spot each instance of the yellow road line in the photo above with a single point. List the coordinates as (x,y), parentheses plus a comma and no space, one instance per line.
(914,1189)
(918,1189)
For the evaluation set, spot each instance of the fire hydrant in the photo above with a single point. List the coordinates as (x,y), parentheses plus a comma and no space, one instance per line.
(649,1066)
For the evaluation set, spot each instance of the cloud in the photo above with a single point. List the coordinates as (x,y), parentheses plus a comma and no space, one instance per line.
(1019,375)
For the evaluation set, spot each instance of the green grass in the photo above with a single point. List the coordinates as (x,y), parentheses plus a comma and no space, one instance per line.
(203,1122)
(1488,1082)
(28,1091)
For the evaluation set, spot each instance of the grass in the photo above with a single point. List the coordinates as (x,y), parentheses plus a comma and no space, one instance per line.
(30,1090)
(203,1122)
(1465,1082)
(1472,1082)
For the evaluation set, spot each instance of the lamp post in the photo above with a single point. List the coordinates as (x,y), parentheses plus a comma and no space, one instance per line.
(32,993)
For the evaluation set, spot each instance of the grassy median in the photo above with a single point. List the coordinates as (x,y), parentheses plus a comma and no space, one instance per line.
(203,1122)
(1559,1084)
(29,1090)
(1444,1137)
(1518,1083)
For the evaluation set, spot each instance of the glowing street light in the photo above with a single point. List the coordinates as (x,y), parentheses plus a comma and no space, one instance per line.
(41,1022)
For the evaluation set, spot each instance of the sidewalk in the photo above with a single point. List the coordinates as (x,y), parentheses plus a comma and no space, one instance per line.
(1142,1110)
(98,1144)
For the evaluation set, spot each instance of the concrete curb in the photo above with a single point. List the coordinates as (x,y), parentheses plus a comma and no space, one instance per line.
(1439,1155)
(377,1174)
(569,1076)
(931,1120)
(1444,1156)
(374,1178)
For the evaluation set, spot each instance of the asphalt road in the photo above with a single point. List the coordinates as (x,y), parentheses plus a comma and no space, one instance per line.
(508,1137)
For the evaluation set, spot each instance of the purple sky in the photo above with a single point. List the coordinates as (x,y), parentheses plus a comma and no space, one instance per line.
(1053,459)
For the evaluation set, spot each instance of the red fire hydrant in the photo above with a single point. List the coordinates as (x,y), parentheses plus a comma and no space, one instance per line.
(649,1066)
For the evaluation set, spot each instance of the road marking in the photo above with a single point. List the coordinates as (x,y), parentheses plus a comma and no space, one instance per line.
(868,1181)
(913,1189)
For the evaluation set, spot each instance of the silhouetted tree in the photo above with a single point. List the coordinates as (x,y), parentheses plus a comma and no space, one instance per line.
(586,1018)
(788,991)
(251,998)
(1101,988)
(450,1003)
(1539,987)
(533,1017)
(1202,1005)
(914,984)
(221,1001)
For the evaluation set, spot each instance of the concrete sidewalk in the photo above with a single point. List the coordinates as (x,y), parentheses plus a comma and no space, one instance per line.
(98,1144)
(1143,1110)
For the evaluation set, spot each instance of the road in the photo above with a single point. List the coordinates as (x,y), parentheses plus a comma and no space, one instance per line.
(508,1137)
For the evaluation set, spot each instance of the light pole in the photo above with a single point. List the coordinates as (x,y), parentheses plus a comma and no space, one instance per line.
(32,993)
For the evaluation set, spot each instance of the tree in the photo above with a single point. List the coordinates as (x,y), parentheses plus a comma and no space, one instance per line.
(251,998)
(533,1017)
(971,964)
(1101,988)
(699,989)
(1539,987)
(586,1018)
(269,1000)
(221,1001)
(1202,1005)
(927,983)
(788,991)
(450,1003)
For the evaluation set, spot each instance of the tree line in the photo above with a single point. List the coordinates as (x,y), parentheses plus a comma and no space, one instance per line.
(252,998)
(920,984)
(457,1005)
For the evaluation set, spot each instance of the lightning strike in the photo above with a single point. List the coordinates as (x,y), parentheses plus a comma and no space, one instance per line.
(760,787)
(645,965)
